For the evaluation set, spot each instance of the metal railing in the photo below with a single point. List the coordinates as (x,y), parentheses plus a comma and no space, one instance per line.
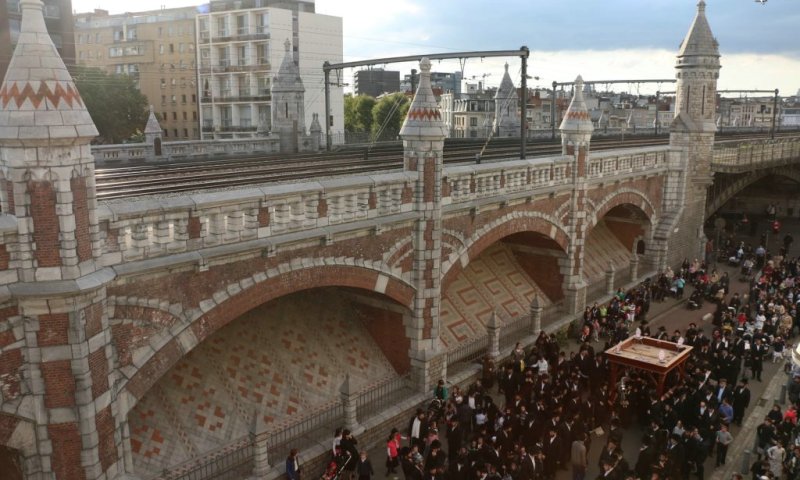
(377,397)
(232,462)
(469,351)
(312,428)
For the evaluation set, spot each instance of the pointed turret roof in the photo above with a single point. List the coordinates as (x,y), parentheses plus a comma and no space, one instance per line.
(506,89)
(424,117)
(699,41)
(577,119)
(152,123)
(39,103)
(288,76)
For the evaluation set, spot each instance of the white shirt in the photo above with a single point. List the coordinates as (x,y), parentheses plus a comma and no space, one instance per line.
(415,426)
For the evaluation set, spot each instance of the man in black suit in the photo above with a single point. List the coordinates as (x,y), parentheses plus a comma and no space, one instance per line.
(757,353)
(741,400)
(508,384)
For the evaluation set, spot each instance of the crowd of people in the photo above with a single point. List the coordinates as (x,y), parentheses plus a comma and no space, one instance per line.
(547,408)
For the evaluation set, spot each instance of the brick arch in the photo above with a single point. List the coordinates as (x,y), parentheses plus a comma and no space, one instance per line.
(216,314)
(740,184)
(623,196)
(491,233)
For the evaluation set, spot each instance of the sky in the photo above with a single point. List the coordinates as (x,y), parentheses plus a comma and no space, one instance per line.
(598,39)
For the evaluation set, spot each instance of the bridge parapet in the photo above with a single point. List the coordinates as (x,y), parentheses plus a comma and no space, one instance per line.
(144,152)
(616,163)
(740,157)
(267,216)
(466,183)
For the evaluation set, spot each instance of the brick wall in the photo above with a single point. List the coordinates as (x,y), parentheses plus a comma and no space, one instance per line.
(66,455)
(80,208)
(59,384)
(386,328)
(46,230)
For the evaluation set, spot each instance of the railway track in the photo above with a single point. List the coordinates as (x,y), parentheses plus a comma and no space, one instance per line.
(177,177)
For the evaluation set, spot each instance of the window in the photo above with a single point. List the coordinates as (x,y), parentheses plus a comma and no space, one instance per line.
(160,32)
(118,34)
(163,83)
(166,133)
(183,100)
(174,115)
(80,39)
(242,53)
(115,52)
(186,132)
(173,82)
(171,48)
(161,49)
(181,48)
(163,99)
(132,33)
(241,24)
(222,26)
(194,115)
(96,38)
(164,116)
(194,98)
(176,132)
(174,99)
(473,122)
(185,116)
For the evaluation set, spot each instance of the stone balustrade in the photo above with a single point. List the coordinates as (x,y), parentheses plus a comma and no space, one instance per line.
(151,228)
(466,183)
(614,163)
(144,152)
(737,157)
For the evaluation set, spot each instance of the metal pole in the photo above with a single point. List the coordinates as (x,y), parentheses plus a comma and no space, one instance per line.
(413,81)
(658,94)
(553,112)
(523,130)
(325,68)
(774,114)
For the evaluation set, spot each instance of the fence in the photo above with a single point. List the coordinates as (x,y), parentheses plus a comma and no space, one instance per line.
(378,397)
(232,462)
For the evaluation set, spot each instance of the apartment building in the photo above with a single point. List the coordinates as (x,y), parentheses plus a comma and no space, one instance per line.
(157,49)
(57,18)
(240,46)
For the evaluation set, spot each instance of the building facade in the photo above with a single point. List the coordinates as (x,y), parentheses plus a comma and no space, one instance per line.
(376,82)
(473,116)
(157,49)
(57,18)
(239,49)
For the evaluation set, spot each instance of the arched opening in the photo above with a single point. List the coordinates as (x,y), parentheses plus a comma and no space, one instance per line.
(504,277)
(622,232)
(157,146)
(10,463)
(272,366)
(745,212)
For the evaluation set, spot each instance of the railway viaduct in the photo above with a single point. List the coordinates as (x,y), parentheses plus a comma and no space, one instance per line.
(135,335)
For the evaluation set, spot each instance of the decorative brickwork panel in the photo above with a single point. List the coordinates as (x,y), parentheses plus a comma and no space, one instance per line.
(45,224)
(194,227)
(263,217)
(98,365)
(5,257)
(10,373)
(66,456)
(105,436)
(59,384)
(9,187)
(94,319)
(6,338)
(80,208)
(53,329)
(121,336)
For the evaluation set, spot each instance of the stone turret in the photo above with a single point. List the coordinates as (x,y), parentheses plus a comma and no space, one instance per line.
(692,133)
(576,135)
(423,134)
(54,281)
(576,127)
(152,133)
(506,108)
(315,131)
(288,111)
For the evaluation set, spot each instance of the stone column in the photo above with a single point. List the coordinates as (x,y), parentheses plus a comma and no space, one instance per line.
(258,432)
(493,329)
(536,315)
(610,273)
(349,404)
(634,268)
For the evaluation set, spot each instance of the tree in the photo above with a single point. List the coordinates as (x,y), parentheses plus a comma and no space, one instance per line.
(117,107)
(358,113)
(388,115)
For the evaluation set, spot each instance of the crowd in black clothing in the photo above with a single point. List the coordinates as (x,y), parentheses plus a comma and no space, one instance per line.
(556,405)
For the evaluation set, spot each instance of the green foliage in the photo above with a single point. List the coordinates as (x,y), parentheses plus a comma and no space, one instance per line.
(388,115)
(358,113)
(117,107)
